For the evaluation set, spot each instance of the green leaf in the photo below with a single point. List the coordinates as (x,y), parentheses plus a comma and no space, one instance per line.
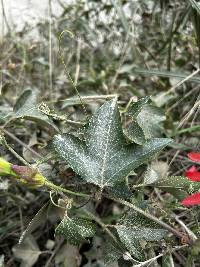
(121,190)
(26,107)
(104,158)
(135,133)
(179,182)
(131,243)
(149,120)
(146,121)
(136,107)
(111,252)
(135,227)
(142,228)
(76,230)
(178,186)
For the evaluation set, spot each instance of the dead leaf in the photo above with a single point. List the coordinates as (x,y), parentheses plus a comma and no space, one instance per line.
(28,252)
(69,256)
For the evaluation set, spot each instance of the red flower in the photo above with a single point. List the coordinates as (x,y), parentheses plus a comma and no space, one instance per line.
(194,156)
(194,175)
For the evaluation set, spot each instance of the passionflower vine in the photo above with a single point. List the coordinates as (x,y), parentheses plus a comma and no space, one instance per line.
(194,175)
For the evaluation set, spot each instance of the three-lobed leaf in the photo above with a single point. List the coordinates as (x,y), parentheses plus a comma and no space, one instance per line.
(104,158)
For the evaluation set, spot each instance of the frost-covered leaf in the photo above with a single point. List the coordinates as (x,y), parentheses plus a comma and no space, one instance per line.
(121,190)
(26,107)
(104,157)
(178,186)
(133,228)
(147,121)
(75,230)
(131,243)
(137,107)
(111,252)
(28,252)
(135,133)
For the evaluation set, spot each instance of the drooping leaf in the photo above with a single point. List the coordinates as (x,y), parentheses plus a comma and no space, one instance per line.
(149,120)
(146,121)
(76,230)
(26,107)
(35,222)
(134,227)
(135,133)
(105,158)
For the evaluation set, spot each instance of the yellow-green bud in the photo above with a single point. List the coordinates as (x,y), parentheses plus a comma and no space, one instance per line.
(5,168)
(23,174)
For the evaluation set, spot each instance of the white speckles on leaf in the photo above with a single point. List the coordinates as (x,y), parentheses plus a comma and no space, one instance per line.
(134,228)
(75,230)
(104,158)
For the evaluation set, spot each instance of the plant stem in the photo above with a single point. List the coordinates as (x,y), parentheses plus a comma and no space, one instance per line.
(144,263)
(20,142)
(97,220)
(147,215)
(58,188)
(4,143)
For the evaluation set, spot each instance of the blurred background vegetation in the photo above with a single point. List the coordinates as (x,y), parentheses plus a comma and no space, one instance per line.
(130,48)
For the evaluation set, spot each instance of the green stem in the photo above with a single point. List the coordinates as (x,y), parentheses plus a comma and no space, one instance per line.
(4,143)
(97,220)
(58,188)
